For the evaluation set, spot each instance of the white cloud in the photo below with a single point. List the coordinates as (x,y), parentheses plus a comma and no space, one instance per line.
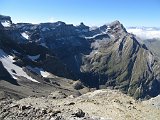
(147,33)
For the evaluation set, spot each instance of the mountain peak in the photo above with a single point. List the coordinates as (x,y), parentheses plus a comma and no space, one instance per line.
(5,19)
(116,25)
(116,22)
(107,55)
(58,23)
(82,25)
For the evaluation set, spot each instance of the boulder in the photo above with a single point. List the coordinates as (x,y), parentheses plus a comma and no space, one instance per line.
(79,113)
(78,85)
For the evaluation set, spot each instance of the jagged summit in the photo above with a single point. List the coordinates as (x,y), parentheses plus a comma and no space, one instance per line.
(5,21)
(116,25)
(5,18)
(116,22)
(82,25)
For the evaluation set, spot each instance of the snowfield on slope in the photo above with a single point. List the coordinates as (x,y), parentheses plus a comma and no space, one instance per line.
(39,71)
(25,35)
(7,61)
(6,24)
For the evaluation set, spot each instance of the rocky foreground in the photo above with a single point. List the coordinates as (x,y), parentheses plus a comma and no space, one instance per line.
(98,105)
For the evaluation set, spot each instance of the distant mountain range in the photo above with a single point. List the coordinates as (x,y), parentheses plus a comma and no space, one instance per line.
(104,57)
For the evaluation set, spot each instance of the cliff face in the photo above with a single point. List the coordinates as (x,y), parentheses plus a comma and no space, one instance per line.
(29,54)
(121,62)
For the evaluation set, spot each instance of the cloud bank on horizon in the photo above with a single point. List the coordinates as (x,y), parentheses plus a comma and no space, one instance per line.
(145,33)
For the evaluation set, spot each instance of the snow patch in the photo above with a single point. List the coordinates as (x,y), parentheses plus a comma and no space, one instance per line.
(44,73)
(6,24)
(25,35)
(96,52)
(102,33)
(94,36)
(7,62)
(39,71)
(33,58)
(108,28)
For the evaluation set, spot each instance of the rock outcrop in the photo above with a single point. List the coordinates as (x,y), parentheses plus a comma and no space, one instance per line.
(97,105)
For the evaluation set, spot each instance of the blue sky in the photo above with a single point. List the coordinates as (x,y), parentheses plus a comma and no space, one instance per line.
(91,12)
